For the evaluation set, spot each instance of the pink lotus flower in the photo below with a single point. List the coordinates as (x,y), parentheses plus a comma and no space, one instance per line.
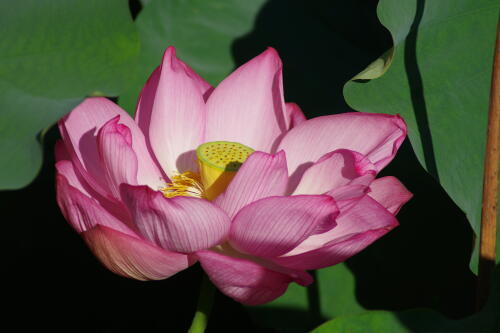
(152,196)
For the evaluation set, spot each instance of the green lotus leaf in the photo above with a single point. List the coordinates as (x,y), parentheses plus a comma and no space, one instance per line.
(53,53)
(439,81)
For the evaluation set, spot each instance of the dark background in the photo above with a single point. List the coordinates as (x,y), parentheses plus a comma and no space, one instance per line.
(54,283)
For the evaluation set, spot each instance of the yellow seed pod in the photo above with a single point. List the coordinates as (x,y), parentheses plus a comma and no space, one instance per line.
(218,162)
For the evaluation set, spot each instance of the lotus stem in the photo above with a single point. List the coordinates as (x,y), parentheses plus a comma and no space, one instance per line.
(489,212)
(204,306)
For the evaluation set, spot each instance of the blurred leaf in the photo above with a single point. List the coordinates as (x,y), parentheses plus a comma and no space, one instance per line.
(201,31)
(420,320)
(52,54)
(21,119)
(300,309)
(439,81)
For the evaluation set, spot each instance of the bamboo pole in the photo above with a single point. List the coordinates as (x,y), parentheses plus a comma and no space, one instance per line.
(490,185)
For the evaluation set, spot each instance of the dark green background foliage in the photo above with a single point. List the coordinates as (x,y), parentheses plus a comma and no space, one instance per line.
(429,61)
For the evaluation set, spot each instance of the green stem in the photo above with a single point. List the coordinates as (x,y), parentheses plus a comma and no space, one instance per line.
(204,307)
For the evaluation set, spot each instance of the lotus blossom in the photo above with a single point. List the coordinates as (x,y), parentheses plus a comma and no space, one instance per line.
(232,177)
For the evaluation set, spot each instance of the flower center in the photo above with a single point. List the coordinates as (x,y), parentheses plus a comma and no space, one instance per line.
(218,163)
(185,184)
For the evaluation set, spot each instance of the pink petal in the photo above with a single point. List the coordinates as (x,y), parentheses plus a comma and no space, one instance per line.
(79,130)
(333,253)
(177,117)
(248,106)
(294,115)
(60,152)
(145,103)
(347,196)
(116,245)
(73,177)
(243,280)
(377,136)
(66,169)
(390,193)
(119,161)
(147,96)
(132,257)
(262,175)
(366,215)
(333,170)
(83,212)
(356,229)
(273,226)
(144,109)
(364,180)
(180,224)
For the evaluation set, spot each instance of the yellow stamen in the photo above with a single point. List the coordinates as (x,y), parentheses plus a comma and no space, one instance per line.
(185,184)
(218,162)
